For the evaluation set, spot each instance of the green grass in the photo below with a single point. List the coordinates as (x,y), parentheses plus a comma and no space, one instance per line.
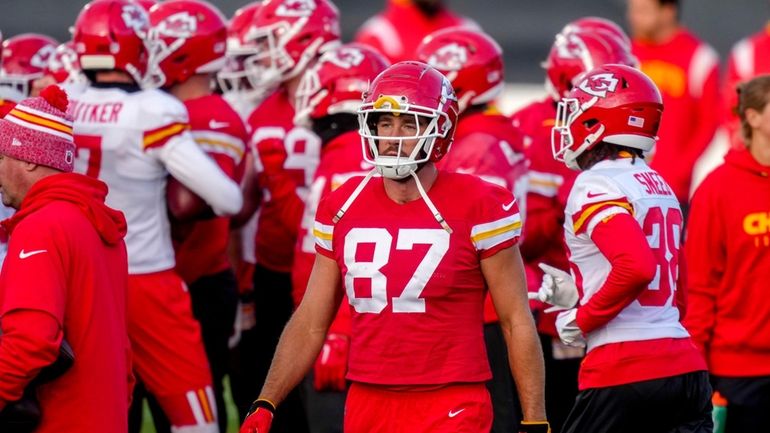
(232,413)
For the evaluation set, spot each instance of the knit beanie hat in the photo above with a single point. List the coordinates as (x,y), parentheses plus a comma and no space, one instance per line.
(38,130)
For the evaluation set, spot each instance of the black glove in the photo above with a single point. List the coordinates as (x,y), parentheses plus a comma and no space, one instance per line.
(23,415)
(534,427)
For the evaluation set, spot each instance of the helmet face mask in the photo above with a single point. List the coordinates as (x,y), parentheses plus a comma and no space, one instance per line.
(401,164)
(26,58)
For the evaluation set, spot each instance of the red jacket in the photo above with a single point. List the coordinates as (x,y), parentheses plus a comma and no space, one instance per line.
(65,277)
(686,70)
(728,259)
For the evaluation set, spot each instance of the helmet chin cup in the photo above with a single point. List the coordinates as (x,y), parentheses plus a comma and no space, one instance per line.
(393,167)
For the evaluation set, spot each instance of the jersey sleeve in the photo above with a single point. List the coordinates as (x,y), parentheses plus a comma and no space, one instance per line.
(163,118)
(497,223)
(594,198)
(323,228)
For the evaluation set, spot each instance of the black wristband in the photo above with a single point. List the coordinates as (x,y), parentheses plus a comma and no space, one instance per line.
(262,403)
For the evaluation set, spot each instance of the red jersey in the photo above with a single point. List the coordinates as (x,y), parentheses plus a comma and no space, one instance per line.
(416,291)
(487,145)
(548,187)
(686,70)
(728,260)
(398,31)
(747,60)
(341,159)
(273,135)
(220,132)
(68,246)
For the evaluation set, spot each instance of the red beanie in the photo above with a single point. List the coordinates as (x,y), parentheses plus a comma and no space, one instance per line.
(38,130)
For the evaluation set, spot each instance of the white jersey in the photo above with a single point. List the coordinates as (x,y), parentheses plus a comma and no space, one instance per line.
(620,186)
(132,140)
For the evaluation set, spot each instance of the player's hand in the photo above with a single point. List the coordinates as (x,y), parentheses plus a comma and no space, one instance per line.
(569,332)
(271,156)
(557,289)
(332,364)
(259,418)
(534,427)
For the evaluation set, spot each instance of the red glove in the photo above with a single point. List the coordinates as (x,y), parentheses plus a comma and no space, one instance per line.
(259,418)
(272,156)
(332,364)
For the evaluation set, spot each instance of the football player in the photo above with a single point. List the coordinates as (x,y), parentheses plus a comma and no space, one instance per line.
(574,51)
(188,40)
(328,98)
(287,37)
(414,249)
(133,139)
(642,372)
(487,145)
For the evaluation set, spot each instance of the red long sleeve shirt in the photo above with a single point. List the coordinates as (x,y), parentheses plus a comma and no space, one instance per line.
(728,254)
(686,70)
(65,275)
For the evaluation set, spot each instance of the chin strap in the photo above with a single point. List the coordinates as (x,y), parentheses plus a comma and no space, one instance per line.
(356,192)
(431,206)
(423,194)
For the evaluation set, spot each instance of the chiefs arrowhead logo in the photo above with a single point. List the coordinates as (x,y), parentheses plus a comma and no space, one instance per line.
(450,57)
(135,18)
(296,8)
(178,25)
(569,46)
(43,56)
(345,57)
(599,84)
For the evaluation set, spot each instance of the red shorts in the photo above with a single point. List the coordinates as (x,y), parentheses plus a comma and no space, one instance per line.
(462,408)
(168,350)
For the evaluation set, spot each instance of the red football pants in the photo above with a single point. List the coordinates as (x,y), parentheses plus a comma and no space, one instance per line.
(168,350)
(462,408)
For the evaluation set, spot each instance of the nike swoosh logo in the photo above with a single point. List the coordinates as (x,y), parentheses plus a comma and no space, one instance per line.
(23,255)
(453,414)
(213,124)
(592,195)
(507,207)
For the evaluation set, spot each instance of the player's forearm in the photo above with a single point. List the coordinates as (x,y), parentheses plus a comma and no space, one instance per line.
(297,350)
(526,362)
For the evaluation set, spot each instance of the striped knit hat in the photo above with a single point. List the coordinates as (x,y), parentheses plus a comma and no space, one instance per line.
(38,130)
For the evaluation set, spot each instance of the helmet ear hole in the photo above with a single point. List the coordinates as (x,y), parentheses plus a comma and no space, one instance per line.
(590,123)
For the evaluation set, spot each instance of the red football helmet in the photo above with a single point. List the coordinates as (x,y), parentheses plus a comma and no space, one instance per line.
(186,37)
(235,80)
(286,35)
(25,58)
(64,66)
(471,60)
(613,103)
(577,52)
(411,88)
(600,25)
(335,83)
(110,35)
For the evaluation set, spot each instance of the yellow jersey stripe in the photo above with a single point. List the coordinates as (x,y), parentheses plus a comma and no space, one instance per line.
(492,233)
(585,215)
